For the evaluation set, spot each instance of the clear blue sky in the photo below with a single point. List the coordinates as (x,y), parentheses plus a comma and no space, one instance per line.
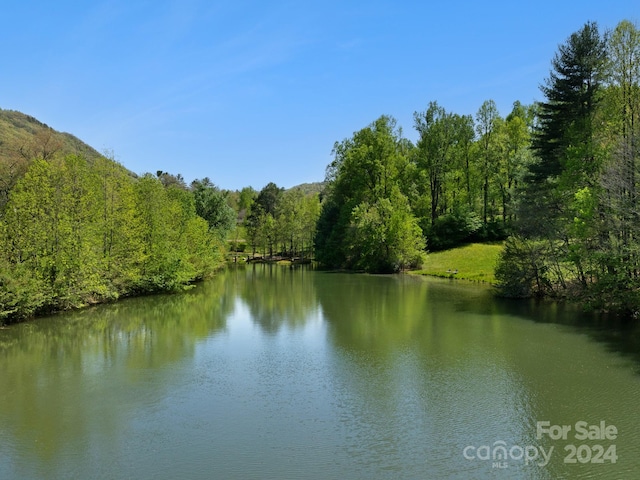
(247,92)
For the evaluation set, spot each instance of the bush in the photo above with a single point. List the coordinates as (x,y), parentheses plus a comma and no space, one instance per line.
(239,247)
(493,230)
(522,270)
(21,295)
(453,229)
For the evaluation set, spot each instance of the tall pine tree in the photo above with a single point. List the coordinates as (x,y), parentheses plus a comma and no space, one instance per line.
(564,139)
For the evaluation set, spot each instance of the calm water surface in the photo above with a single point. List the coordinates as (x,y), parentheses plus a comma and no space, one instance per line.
(272,373)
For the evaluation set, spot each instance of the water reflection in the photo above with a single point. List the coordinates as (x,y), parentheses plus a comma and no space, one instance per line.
(271,372)
(471,370)
(619,334)
(378,314)
(277,296)
(424,375)
(57,372)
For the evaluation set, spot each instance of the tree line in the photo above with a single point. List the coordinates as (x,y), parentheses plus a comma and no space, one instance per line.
(282,222)
(557,179)
(578,229)
(388,198)
(73,234)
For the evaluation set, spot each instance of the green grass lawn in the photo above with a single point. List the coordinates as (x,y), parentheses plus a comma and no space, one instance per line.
(474,262)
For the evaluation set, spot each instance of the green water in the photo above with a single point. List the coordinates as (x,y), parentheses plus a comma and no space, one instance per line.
(273,373)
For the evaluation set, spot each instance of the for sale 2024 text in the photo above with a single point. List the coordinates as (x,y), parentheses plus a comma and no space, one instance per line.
(582,431)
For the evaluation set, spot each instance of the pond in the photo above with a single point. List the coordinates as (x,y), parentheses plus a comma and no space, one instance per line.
(267,372)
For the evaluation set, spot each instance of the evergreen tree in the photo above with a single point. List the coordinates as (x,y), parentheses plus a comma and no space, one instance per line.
(564,140)
(558,204)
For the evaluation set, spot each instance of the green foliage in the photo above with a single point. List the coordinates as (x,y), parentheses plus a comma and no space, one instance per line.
(50,228)
(460,187)
(211,205)
(309,189)
(564,139)
(464,171)
(578,203)
(169,180)
(561,175)
(522,269)
(21,295)
(268,198)
(23,138)
(331,231)
(296,217)
(437,135)
(453,229)
(120,227)
(247,196)
(283,222)
(366,222)
(75,234)
(385,236)
(558,226)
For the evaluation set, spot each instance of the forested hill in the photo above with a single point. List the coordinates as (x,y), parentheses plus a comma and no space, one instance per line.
(23,135)
(310,188)
(77,228)
(23,138)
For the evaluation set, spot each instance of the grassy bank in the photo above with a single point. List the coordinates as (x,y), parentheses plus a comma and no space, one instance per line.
(475,262)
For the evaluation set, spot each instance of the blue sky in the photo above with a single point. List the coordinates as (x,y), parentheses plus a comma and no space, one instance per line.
(248,92)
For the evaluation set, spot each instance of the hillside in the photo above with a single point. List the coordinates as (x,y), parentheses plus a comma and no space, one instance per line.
(475,261)
(23,138)
(310,188)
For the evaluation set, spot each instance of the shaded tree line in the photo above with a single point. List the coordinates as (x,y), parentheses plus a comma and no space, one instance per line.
(578,232)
